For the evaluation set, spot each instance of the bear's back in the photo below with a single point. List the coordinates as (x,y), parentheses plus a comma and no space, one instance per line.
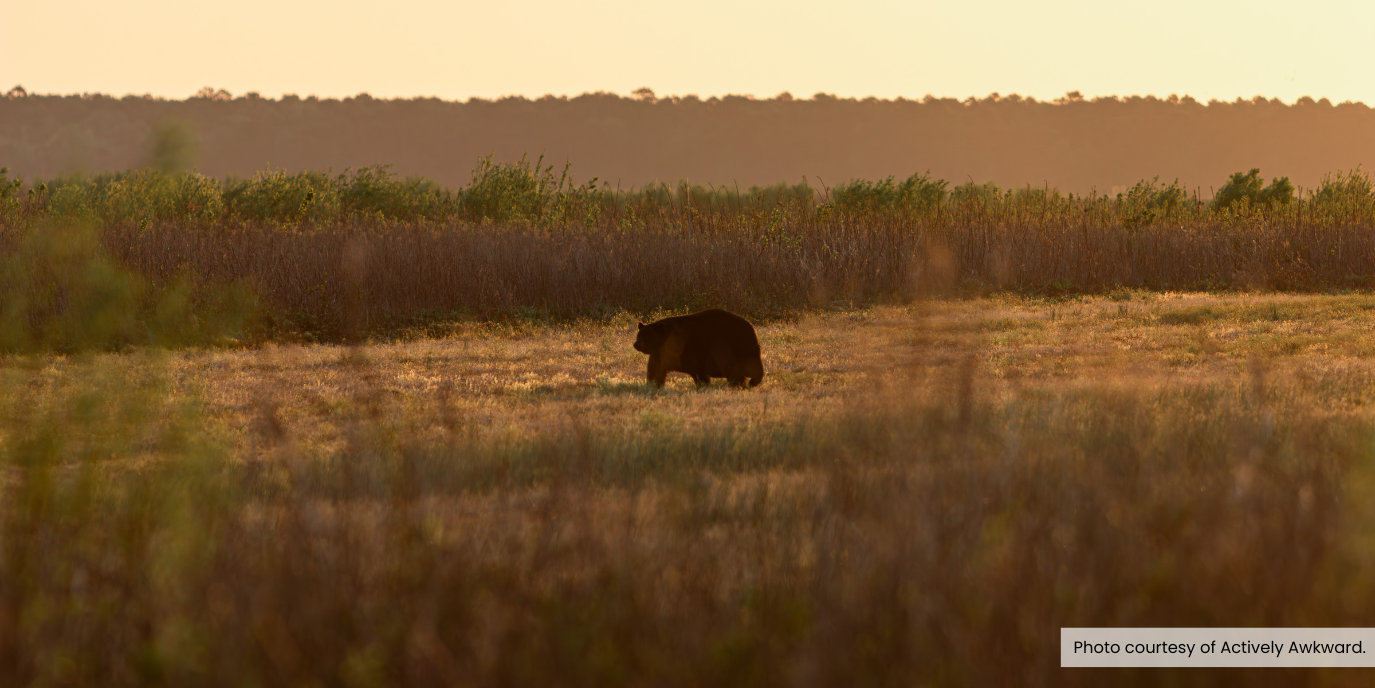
(717,325)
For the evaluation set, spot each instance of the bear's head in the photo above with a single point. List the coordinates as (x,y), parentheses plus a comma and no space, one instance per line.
(651,337)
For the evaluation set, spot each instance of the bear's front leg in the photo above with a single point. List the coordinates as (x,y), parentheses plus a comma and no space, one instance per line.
(656,374)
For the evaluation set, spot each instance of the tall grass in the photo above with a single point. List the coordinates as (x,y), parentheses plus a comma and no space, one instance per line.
(933,538)
(364,254)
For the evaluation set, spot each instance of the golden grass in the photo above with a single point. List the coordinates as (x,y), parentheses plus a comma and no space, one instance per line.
(524,380)
(915,495)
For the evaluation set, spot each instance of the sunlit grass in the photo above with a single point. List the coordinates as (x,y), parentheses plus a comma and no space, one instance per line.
(916,494)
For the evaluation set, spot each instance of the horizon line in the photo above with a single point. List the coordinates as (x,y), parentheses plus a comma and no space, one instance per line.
(645,94)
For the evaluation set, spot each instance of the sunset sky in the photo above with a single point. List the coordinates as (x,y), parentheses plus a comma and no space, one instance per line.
(455,50)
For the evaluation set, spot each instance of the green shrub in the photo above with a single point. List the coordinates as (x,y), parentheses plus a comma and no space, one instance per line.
(515,191)
(918,193)
(970,193)
(1248,190)
(1352,190)
(9,193)
(1150,201)
(373,192)
(153,196)
(277,196)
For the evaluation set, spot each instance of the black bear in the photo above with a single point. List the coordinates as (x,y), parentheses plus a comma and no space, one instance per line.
(705,345)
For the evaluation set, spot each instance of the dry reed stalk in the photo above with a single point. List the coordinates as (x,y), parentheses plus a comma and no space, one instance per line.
(378,277)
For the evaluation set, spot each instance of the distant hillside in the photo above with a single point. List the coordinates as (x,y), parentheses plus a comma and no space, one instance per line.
(1072,143)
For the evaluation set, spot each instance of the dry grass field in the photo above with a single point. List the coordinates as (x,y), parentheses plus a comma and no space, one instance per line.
(916,495)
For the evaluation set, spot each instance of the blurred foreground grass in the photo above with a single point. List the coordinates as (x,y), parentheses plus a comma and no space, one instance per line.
(915,496)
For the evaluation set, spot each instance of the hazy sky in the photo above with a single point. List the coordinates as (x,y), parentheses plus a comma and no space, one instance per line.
(454,50)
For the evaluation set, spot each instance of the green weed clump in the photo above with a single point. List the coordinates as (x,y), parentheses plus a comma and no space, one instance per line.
(61,290)
(58,290)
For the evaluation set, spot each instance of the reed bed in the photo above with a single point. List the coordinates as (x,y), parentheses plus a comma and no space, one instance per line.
(319,258)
